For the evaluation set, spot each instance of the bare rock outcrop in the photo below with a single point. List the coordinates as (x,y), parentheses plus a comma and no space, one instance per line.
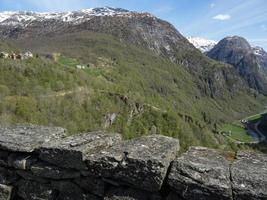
(249,176)
(202,174)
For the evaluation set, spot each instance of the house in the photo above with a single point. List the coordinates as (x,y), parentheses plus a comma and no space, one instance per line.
(27,55)
(4,55)
(13,56)
(80,66)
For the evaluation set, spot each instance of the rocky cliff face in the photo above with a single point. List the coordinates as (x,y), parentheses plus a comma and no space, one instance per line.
(238,52)
(43,163)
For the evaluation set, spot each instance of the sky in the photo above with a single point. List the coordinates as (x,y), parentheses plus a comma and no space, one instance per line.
(211,19)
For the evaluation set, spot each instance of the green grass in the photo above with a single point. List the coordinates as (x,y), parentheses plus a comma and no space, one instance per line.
(66,61)
(237,132)
(257,117)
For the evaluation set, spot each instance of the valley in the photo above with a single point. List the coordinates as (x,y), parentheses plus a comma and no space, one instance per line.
(108,103)
(246,130)
(120,71)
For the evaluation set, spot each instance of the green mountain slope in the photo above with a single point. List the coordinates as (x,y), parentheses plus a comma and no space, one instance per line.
(145,93)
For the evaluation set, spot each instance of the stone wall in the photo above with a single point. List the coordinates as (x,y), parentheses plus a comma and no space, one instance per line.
(43,163)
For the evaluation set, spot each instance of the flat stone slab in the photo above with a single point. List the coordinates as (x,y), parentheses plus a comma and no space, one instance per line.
(92,185)
(125,193)
(52,172)
(249,176)
(72,151)
(28,138)
(30,190)
(5,192)
(201,173)
(7,176)
(140,163)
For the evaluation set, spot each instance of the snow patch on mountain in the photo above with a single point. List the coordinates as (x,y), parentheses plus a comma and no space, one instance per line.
(23,18)
(204,45)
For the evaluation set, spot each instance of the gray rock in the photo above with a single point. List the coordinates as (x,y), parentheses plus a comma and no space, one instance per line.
(7,176)
(64,196)
(29,176)
(5,192)
(27,139)
(3,158)
(21,161)
(249,176)
(92,185)
(125,194)
(52,172)
(30,190)
(105,162)
(140,163)
(173,196)
(201,174)
(71,152)
(70,191)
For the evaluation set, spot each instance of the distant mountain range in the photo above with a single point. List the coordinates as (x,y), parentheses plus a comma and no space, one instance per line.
(24,18)
(250,61)
(202,44)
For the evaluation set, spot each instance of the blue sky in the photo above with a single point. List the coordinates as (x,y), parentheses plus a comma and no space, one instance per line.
(212,19)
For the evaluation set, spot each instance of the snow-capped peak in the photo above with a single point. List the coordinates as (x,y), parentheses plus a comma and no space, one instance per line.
(23,18)
(202,44)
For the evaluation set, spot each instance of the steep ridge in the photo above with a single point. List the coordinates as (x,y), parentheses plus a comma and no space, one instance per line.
(248,61)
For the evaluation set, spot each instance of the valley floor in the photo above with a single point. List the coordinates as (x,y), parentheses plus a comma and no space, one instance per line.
(250,130)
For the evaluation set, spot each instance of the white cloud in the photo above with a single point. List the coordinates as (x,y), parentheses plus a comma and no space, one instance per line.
(222,17)
(212,5)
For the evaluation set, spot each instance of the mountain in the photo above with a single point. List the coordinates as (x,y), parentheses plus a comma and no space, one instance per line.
(23,19)
(247,60)
(204,45)
(261,58)
(141,76)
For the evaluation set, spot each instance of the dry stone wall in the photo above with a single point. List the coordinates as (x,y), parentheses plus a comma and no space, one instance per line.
(43,163)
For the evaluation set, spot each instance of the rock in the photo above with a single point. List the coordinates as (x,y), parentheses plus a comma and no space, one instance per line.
(3,158)
(71,152)
(5,192)
(249,176)
(92,185)
(21,161)
(63,196)
(30,177)
(7,177)
(127,194)
(173,196)
(27,139)
(105,162)
(140,163)
(201,174)
(30,190)
(52,172)
(70,191)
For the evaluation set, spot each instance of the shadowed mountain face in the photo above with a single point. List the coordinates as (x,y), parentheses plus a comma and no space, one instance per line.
(238,52)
